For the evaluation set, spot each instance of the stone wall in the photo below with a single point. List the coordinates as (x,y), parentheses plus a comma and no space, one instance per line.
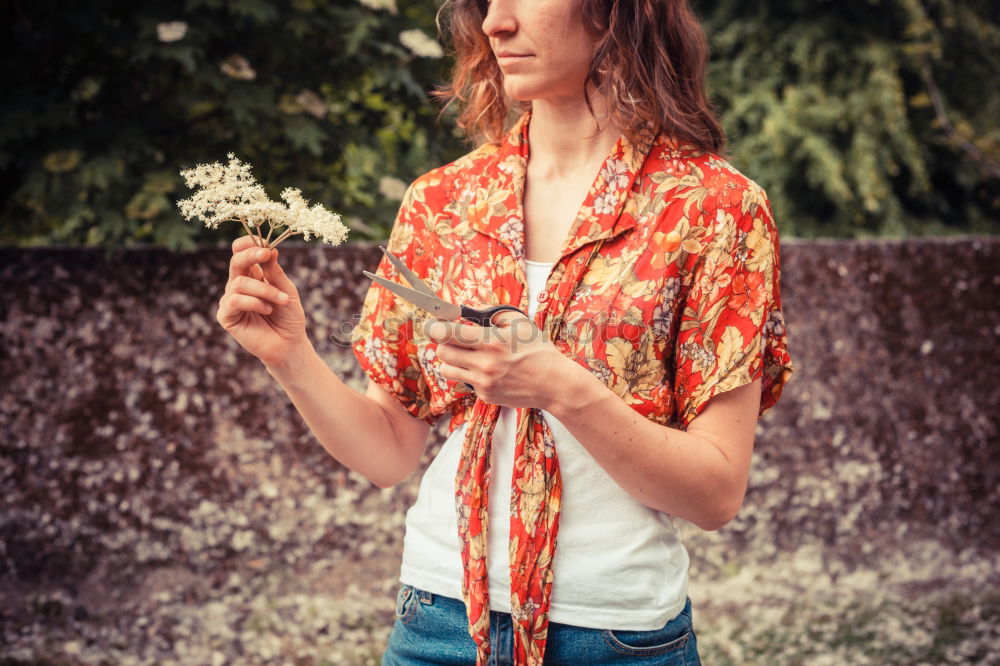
(164,503)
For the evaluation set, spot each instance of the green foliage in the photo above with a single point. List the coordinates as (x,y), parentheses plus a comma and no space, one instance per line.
(830,107)
(860,118)
(100,113)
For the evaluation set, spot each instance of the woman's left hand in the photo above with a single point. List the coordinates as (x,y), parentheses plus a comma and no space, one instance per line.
(511,364)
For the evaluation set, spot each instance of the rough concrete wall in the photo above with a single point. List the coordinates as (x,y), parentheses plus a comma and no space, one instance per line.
(163,502)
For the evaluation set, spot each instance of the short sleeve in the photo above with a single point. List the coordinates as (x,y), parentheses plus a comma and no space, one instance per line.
(732,330)
(386,340)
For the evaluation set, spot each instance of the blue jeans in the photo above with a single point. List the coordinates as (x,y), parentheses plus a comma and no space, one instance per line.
(433,630)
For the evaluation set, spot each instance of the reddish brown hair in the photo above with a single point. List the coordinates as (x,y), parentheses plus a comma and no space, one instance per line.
(650,61)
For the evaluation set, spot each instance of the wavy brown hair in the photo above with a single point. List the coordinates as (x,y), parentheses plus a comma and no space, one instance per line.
(649,62)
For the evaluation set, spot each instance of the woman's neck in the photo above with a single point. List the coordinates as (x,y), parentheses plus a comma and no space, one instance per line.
(564,137)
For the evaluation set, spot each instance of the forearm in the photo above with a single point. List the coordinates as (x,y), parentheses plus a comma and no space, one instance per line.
(352,427)
(664,468)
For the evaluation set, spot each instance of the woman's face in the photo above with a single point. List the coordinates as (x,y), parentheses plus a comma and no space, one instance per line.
(541,46)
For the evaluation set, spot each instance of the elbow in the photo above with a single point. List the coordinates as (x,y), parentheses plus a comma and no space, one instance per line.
(723,501)
(385,481)
(719,513)
(392,471)
(380,475)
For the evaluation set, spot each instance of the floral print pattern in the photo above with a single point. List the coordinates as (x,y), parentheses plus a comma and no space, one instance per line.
(666,289)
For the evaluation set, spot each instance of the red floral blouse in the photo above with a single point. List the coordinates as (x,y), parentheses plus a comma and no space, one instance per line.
(666,288)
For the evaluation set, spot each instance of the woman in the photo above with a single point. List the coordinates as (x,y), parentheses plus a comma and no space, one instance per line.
(631,395)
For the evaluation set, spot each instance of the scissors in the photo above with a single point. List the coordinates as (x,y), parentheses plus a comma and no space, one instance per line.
(425,298)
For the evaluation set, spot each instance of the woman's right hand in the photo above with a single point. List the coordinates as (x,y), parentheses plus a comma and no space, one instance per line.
(253,308)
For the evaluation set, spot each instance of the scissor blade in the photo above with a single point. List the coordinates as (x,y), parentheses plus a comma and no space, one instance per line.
(410,276)
(433,304)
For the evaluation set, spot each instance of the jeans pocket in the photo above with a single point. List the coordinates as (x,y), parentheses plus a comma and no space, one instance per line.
(405,606)
(671,637)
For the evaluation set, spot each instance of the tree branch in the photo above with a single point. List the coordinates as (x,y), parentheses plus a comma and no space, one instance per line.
(977,156)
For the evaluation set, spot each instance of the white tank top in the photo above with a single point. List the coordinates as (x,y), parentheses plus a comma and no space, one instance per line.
(618,564)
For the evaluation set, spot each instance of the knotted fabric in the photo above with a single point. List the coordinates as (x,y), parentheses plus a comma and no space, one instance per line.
(534,522)
(536,485)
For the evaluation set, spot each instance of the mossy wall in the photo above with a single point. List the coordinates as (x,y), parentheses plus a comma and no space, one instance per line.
(163,501)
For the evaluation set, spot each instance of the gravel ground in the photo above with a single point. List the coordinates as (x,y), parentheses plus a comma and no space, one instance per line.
(273,567)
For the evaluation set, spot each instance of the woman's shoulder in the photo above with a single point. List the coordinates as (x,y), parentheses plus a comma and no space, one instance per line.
(703,178)
(695,166)
(458,172)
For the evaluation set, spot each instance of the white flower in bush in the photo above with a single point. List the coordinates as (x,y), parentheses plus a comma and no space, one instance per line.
(420,44)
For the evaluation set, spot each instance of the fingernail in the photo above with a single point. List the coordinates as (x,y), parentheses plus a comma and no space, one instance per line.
(262,253)
(282,296)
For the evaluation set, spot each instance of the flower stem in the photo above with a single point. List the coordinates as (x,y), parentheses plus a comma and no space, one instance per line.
(286,234)
(249,233)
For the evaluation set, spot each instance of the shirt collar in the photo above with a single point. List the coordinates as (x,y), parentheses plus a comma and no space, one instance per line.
(599,217)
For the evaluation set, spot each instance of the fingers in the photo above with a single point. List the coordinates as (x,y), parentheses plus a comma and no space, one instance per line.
(513,332)
(242,261)
(245,294)
(243,242)
(275,274)
(247,286)
(457,357)
(466,335)
(233,305)
(505,318)
(250,288)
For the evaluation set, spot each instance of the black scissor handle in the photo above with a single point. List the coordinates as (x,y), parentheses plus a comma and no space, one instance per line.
(485,317)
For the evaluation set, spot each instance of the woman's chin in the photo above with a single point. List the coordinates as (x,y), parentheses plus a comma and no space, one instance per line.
(533,92)
(520,92)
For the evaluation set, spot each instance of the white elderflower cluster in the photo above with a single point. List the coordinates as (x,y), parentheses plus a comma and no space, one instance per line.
(238,67)
(392,188)
(388,5)
(229,192)
(171,31)
(315,221)
(420,44)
